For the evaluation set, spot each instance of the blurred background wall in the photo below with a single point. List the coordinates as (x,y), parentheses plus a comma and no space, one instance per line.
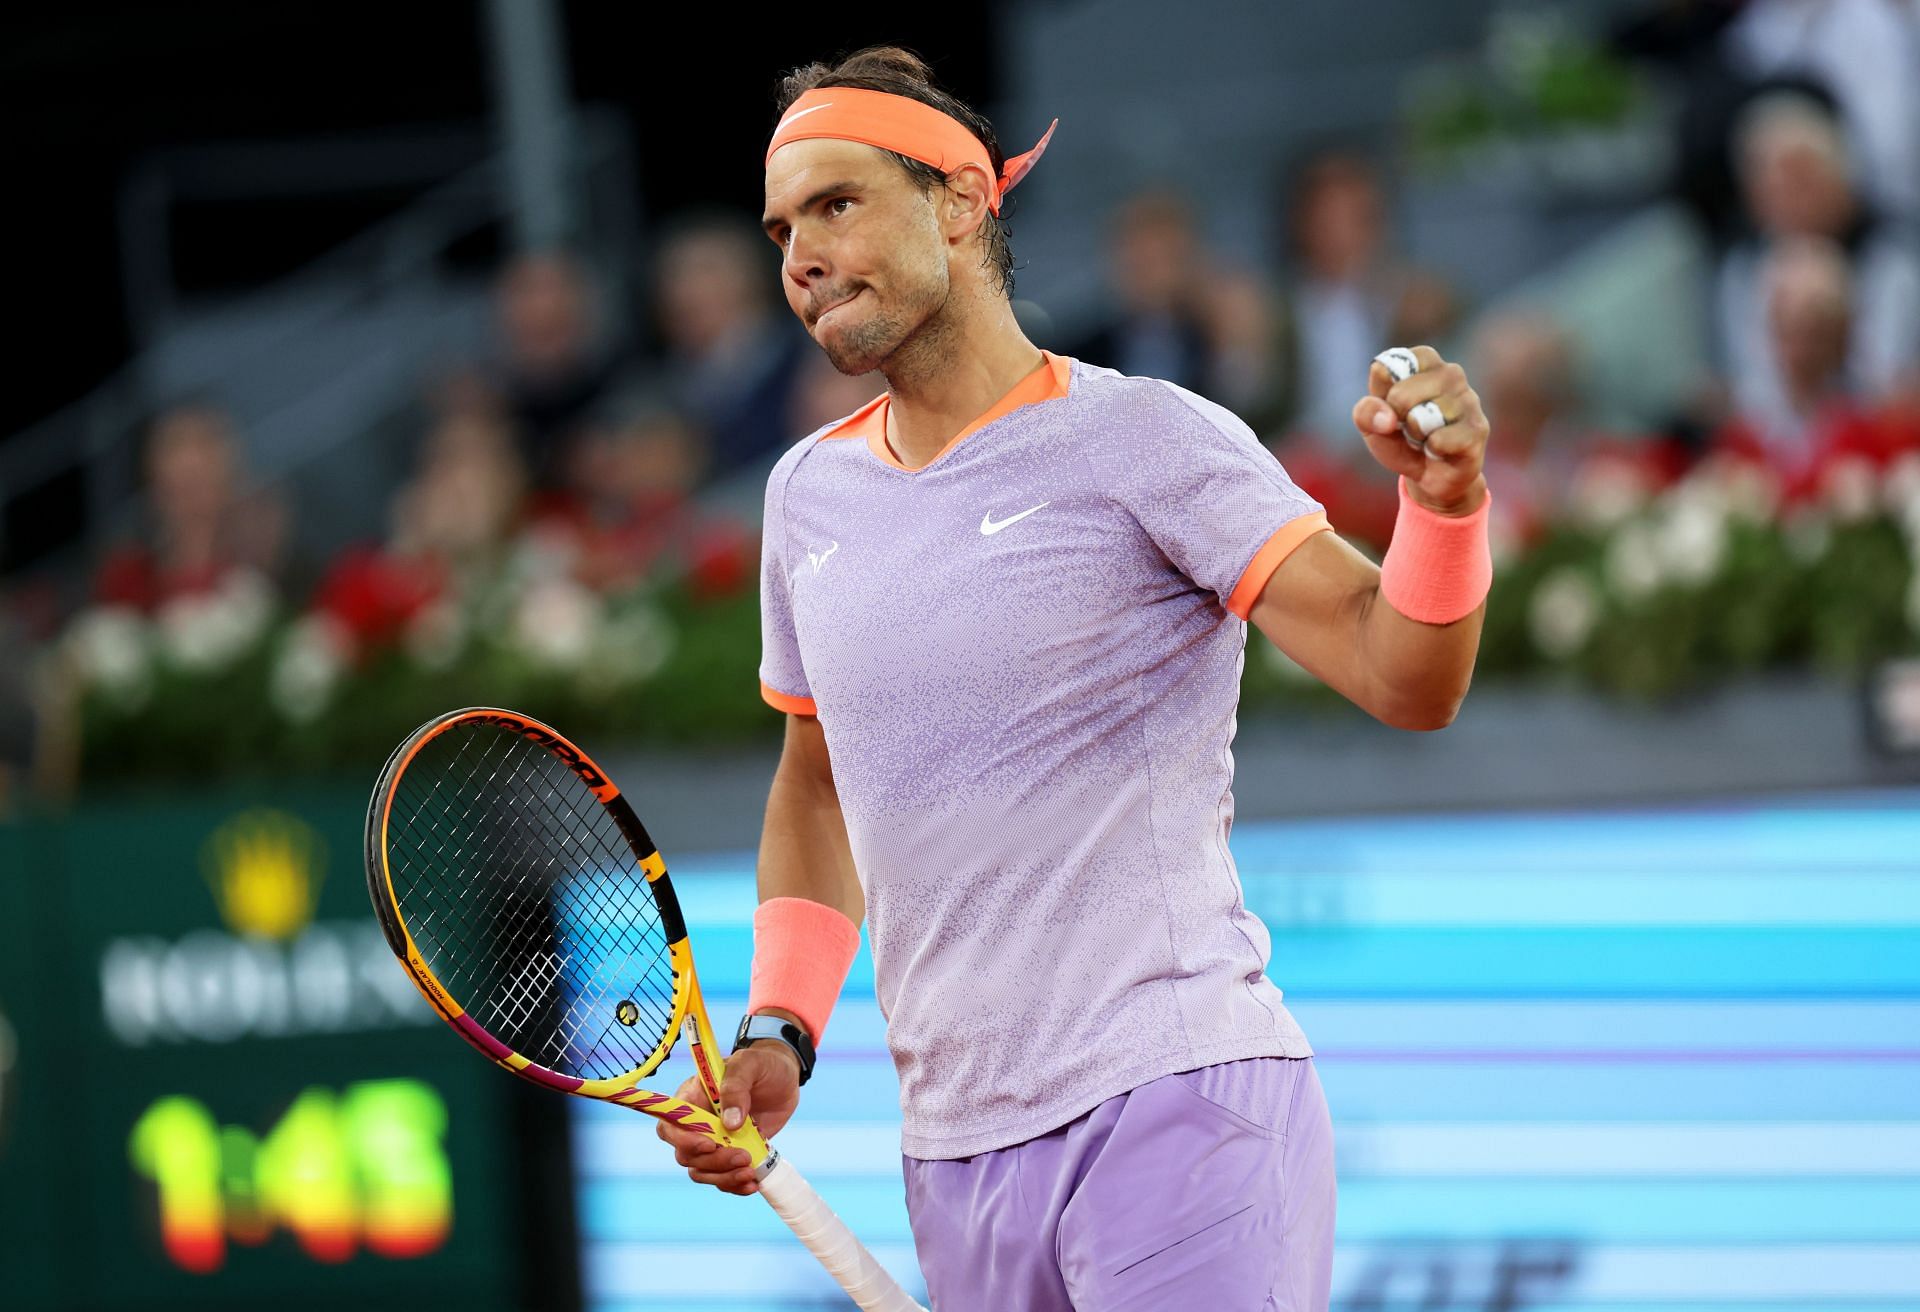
(375,359)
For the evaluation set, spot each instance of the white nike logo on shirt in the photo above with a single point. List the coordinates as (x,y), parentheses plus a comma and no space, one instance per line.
(820,558)
(989,528)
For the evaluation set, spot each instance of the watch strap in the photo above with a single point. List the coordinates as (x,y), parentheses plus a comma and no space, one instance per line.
(757,1027)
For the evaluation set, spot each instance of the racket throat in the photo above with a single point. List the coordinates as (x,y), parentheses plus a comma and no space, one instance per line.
(690,1031)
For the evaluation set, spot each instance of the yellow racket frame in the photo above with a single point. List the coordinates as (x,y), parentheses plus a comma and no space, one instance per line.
(689,1016)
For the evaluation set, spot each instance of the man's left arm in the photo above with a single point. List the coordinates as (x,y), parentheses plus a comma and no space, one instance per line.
(1325,607)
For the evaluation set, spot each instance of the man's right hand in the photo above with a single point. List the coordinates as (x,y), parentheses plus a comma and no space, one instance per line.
(762,1081)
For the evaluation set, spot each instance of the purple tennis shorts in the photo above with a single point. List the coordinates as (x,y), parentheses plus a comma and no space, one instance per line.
(1208,1189)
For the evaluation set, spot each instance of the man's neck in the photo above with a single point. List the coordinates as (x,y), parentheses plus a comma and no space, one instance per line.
(953,377)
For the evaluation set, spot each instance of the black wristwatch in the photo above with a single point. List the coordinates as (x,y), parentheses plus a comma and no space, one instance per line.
(777,1027)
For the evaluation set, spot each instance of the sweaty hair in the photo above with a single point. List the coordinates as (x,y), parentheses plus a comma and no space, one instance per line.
(900,72)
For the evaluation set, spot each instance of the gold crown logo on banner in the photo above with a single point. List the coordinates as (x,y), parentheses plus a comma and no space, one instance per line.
(265,868)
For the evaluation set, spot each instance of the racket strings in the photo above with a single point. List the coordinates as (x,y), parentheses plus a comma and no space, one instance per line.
(629,949)
(437,909)
(519,999)
(528,903)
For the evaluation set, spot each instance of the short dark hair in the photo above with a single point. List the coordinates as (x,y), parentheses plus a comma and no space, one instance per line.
(900,72)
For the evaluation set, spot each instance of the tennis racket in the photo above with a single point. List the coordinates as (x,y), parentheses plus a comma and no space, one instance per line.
(525,900)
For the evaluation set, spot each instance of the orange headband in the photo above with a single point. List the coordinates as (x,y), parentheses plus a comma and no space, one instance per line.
(901,124)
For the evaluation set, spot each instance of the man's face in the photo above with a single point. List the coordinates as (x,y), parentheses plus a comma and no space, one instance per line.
(1340,227)
(1795,189)
(1153,259)
(1807,312)
(864,262)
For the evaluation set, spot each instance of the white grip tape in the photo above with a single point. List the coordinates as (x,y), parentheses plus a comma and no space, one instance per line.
(827,1237)
(1404,364)
(1428,417)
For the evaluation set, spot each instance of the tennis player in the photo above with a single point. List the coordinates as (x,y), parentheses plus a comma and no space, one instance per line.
(1004,609)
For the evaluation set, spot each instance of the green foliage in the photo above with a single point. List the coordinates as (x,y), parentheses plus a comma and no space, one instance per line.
(1689,589)
(1535,80)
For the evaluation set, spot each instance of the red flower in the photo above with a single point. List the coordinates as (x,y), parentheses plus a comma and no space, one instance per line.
(374,594)
(721,560)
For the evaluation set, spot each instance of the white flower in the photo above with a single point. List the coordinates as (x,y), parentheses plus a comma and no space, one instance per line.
(1745,490)
(1900,488)
(313,655)
(1564,610)
(629,649)
(111,649)
(436,635)
(556,622)
(1635,564)
(208,631)
(1693,539)
(541,554)
(1606,493)
(246,599)
(1852,489)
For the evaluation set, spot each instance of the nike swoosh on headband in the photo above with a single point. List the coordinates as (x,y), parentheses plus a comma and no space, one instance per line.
(803,113)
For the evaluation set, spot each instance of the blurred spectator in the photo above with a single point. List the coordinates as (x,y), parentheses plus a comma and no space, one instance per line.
(198,524)
(1522,364)
(450,526)
(1250,350)
(822,394)
(1350,299)
(628,496)
(1867,52)
(1808,297)
(731,357)
(1156,274)
(553,365)
(465,501)
(1686,39)
(1798,183)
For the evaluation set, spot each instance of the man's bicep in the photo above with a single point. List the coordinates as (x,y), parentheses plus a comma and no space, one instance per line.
(805,752)
(1312,607)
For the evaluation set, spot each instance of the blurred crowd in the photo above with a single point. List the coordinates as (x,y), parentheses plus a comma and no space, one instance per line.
(1798,156)
(615,460)
(559,449)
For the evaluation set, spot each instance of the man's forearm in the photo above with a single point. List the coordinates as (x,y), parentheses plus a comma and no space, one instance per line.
(1418,672)
(805,931)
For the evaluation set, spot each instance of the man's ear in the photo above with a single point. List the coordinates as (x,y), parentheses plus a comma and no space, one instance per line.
(965,201)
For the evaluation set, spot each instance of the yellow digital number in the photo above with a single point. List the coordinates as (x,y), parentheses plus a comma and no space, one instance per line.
(335,1170)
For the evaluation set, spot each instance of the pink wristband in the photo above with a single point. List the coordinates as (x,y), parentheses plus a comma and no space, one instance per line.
(802,951)
(1439,567)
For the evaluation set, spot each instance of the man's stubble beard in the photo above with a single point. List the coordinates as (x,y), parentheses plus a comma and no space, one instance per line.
(887,341)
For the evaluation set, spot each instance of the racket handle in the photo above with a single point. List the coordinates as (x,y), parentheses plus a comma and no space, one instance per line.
(826,1235)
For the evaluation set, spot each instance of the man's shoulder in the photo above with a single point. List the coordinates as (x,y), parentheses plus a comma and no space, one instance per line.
(821,445)
(1148,408)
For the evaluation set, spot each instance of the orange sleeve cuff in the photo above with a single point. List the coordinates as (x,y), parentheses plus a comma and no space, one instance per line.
(1269,558)
(781,701)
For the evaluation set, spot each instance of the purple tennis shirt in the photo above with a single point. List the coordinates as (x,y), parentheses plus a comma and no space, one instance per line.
(1026,658)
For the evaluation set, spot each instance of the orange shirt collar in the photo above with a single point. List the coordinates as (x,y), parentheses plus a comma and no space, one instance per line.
(1047,383)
